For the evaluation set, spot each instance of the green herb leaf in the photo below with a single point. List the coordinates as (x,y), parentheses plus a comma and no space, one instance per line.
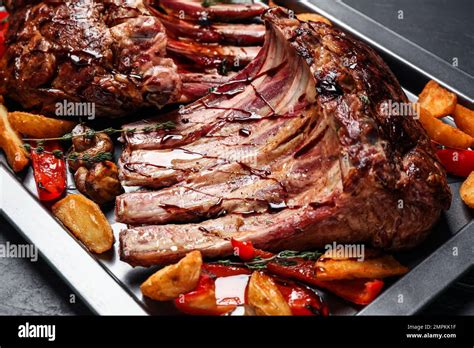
(73,156)
(58,154)
(27,147)
(110,131)
(364,99)
(90,134)
(67,136)
(283,258)
(39,149)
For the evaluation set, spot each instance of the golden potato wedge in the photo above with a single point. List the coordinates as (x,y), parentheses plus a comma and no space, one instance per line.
(264,298)
(467,191)
(86,221)
(373,266)
(444,133)
(464,119)
(11,143)
(313,17)
(38,126)
(171,281)
(437,100)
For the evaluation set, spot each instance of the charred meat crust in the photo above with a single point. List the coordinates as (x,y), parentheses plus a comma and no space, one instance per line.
(106,53)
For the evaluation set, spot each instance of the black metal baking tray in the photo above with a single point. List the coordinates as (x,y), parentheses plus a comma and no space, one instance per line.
(109,286)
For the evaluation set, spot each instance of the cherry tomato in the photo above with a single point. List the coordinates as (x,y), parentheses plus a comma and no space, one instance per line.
(457,162)
(244,250)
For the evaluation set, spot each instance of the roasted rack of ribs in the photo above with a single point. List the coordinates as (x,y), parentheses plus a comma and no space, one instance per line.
(296,151)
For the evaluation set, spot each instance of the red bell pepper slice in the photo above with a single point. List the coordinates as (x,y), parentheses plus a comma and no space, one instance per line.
(217,271)
(302,300)
(244,250)
(457,162)
(49,169)
(3,31)
(202,300)
(359,291)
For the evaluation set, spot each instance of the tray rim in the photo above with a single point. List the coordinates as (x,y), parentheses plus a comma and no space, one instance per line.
(100,292)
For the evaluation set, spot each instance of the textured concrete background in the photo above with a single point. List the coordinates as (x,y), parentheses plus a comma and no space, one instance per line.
(32,288)
(444,27)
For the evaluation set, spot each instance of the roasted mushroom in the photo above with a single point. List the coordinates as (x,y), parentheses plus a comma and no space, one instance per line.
(100,183)
(88,147)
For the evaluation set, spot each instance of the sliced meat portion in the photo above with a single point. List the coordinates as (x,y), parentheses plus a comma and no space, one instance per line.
(194,10)
(202,41)
(196,85)
(229,33)
(214,56)
(298,150)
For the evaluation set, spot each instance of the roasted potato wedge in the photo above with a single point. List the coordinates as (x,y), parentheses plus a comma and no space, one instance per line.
(38,126)
(373,266)
(467,191)
(313,17)
(11,143)
(264,298)
(170,282)
(86,221)
(464,119)
(437,100)
(444,133)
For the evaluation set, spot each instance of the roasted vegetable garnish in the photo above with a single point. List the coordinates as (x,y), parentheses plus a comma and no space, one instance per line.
(100,183)
(313,17)
(375,266)
(11,143)
(359,291)
(264,297)
(86,221)
(89,147)
(457,162)
(38,126)
(443,133)
(49,169)
(437,100)
(202,300)
(174,280)
(464,119)
(302,300)
(467,191)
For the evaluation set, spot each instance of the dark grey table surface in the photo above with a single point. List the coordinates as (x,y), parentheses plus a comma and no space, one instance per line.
(443,27)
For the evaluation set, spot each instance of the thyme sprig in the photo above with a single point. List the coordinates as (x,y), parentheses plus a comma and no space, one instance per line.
(72,156)
(283,258)
(90,133)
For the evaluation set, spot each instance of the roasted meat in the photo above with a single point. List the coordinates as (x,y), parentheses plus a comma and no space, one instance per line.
(210,40)
(117,54)
(219,11)
(222,33)
(298,150)
(110,53)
